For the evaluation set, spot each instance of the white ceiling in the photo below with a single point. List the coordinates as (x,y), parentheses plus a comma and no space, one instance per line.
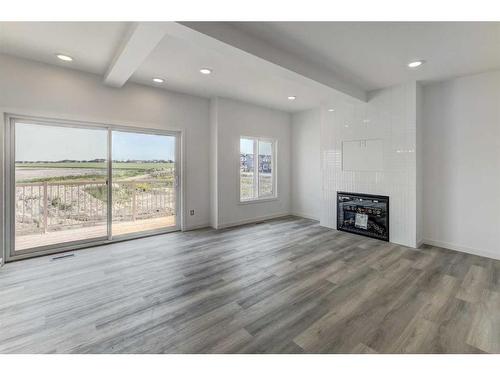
(282,58)
(91,44)
(178,61)
(376,53)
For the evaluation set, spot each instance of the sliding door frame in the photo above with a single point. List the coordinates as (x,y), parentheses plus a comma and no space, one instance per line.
(10,185)
(177,183)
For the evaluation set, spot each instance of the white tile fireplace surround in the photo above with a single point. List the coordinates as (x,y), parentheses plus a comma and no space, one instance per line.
(389,118)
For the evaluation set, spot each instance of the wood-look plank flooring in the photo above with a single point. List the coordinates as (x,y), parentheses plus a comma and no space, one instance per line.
(282,286)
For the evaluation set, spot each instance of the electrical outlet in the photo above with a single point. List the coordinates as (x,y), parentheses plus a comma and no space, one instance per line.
(191,212)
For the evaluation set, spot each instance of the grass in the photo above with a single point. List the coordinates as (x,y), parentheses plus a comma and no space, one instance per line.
(246,184)
(158,171)
(123,193)
(95,165)
(120,193)
(56,202)
(85,177)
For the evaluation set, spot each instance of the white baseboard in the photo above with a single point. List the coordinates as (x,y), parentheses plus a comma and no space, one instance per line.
(464,249)
(252,220)
(305,216)
(194,227)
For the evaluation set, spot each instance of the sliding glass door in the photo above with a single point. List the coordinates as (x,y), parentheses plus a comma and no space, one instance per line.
(60,178)
(144,182)
(71,185)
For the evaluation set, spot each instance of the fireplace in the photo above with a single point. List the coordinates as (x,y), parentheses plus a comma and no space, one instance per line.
(363,214)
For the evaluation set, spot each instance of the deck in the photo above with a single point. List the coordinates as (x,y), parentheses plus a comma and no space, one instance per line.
(69,235)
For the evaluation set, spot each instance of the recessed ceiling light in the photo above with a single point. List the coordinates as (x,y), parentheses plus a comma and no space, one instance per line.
(291,97)
(415,64)
(331,110)
(64,57)
(205,71)
(158,80)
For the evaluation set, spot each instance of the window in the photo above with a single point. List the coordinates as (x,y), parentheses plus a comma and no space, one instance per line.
(257,174)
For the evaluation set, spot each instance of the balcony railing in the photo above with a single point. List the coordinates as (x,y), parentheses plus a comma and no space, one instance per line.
(45,206)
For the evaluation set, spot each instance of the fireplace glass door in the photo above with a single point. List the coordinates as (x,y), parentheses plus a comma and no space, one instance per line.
(363,214)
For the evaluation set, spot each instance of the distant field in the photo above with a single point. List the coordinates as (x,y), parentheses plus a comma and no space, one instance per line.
(93,171)
(92,165)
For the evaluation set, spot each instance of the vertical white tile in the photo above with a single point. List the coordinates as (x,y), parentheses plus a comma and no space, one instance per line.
(390,116)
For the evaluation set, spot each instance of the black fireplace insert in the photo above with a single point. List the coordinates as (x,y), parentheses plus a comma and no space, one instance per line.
(364,214)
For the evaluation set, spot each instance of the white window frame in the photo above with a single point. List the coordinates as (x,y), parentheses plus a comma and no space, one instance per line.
(274,149)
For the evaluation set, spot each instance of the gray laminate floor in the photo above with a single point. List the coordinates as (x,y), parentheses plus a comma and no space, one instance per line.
(283,286)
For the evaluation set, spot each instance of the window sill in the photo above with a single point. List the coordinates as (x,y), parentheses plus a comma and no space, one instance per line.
(258,200)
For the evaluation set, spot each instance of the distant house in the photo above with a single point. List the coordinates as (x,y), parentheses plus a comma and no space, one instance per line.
(247,163)
(265,162)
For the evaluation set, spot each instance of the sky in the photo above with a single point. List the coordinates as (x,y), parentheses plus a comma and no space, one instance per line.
(246,147)
(138,146)
(52,143)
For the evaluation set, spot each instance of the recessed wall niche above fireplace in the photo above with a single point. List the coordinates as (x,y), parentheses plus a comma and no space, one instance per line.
(363,214)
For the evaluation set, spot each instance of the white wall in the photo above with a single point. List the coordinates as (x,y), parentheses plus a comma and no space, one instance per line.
(2,187)
(214,175)
(390,115)
(419,159)
(305,162)
(236,119)
(462,164)
(37,89)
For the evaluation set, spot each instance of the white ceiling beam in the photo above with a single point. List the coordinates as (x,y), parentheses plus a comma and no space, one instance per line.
(141,39)
(221,35)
